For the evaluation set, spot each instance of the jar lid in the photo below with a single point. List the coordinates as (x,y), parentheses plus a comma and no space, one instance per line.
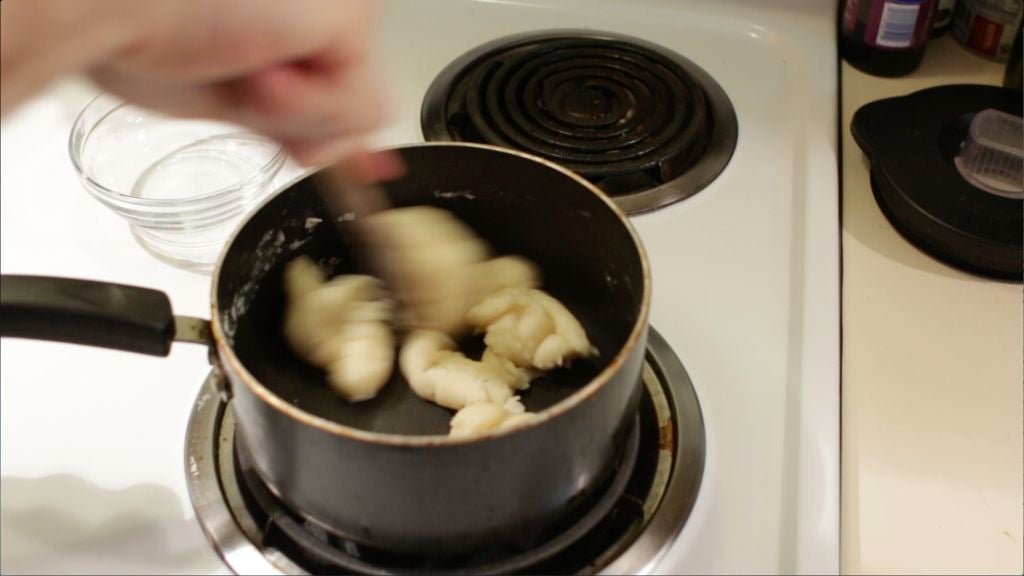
(928,151)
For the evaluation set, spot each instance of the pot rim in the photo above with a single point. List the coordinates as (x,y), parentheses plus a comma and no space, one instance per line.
(227,355)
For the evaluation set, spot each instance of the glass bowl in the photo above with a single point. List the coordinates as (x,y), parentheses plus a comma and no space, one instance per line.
(181,184)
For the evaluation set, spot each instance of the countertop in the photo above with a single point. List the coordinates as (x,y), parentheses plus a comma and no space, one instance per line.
(933,364)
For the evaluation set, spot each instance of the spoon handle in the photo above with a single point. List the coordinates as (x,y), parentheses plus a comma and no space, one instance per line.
(348,195)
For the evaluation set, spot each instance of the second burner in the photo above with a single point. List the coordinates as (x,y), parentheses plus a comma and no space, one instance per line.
(630,117)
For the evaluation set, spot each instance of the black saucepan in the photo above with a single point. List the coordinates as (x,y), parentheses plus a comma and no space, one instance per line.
(383,472)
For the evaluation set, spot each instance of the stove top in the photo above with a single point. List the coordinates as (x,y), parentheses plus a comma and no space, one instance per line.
(745,291)
(645,125)
(626,528)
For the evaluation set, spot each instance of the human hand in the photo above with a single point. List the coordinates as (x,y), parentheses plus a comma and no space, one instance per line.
(298,71)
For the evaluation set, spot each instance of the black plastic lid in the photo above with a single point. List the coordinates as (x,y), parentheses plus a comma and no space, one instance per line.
(911,142)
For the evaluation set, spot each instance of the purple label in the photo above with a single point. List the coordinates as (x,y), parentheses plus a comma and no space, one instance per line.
(899,24)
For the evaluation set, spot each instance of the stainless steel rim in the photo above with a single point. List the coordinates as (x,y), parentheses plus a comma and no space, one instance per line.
(666,513)
(221,512)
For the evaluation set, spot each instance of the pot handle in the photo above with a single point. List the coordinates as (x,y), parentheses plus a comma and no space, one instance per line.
(100,314)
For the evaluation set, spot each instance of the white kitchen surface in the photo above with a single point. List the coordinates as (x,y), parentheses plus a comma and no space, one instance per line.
(746,291)
(92,440)
(933,379)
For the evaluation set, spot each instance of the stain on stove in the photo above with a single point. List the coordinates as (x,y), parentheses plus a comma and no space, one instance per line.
(667,437)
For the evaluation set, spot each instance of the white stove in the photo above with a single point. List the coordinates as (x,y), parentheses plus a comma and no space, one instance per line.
(746,294)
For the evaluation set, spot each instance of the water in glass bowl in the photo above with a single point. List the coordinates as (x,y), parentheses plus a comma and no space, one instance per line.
(212,164)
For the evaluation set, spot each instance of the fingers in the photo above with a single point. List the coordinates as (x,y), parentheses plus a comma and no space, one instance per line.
(365,165)
(318,113)
(175,98)
(309,102)
(316,108)
(305,82)
(375,166)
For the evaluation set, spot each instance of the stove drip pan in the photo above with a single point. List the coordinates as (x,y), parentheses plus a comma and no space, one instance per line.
(644,124)
(626,527)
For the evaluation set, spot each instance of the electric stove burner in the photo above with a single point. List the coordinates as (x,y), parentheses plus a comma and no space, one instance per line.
(625,528)
(645,125)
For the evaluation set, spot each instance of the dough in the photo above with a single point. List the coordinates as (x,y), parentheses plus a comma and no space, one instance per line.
(439,373)
(530,328)
(340,325)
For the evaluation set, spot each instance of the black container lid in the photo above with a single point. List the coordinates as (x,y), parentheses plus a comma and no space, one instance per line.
(912,142)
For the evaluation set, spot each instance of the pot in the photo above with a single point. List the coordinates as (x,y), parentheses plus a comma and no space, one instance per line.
(384,472)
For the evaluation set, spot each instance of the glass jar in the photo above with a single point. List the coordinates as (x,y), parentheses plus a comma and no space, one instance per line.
(885,37)
(987,27)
